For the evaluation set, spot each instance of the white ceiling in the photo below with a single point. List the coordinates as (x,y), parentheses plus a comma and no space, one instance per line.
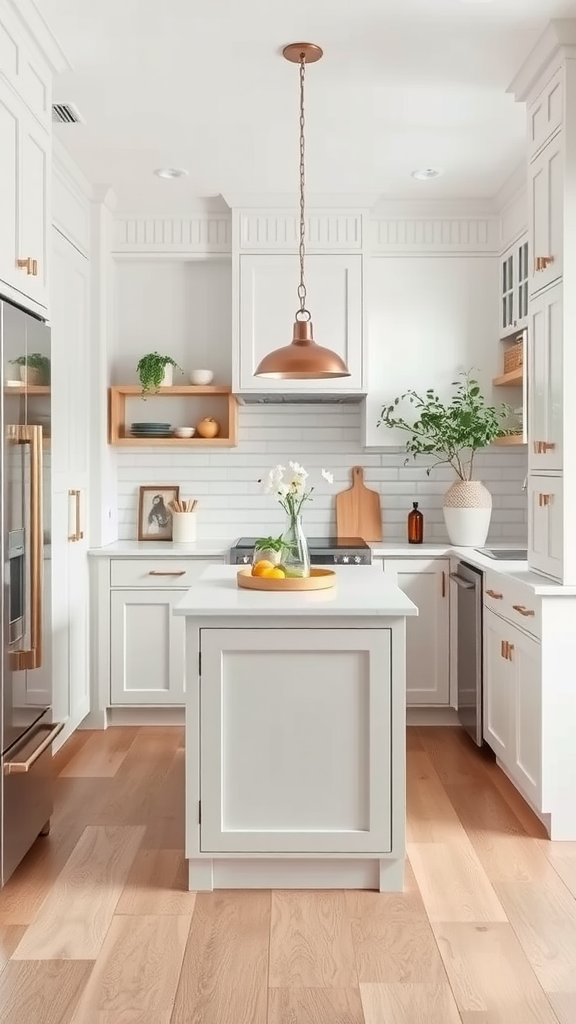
(403,84)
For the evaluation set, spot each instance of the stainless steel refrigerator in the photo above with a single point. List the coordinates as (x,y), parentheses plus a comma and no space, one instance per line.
(26,727)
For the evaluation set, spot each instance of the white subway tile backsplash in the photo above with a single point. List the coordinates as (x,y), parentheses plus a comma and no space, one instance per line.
(230,500)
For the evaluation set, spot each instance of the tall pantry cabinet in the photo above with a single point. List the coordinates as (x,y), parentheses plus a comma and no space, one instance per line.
(547,83)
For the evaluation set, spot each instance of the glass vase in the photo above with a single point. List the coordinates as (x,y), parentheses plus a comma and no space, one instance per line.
(295,554)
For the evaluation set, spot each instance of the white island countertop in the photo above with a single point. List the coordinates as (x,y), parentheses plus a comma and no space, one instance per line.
(360,591)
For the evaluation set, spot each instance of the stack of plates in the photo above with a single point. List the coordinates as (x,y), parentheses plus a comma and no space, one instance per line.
(151,429)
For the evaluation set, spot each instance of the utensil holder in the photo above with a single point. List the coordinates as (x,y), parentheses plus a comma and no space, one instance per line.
(183,527)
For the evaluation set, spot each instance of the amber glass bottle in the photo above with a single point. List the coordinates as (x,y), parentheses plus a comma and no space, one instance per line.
(415,525)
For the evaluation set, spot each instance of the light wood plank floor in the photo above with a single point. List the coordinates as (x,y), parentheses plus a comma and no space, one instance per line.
(97,927)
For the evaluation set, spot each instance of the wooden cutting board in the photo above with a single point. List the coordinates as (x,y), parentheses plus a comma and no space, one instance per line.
(358,512)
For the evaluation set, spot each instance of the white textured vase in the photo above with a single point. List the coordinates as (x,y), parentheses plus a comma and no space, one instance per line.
(467,512)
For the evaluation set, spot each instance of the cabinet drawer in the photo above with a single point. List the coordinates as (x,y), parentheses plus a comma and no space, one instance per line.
(513,601)
(545,114)
(162,573)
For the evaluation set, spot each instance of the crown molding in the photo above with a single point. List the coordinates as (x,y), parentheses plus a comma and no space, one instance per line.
(556,42)
(290,200)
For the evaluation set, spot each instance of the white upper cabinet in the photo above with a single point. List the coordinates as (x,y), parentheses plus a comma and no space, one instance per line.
(545,113)
(25,146)
(428,319)
(546,206)
(267,293)
(547,522)
(545,374)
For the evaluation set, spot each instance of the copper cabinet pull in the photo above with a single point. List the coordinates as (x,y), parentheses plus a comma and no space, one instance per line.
(20,767)
(443,584)
(29,265)
(504,649)
(509,649)
(544,499)
(523,609)
(31,658)
(494,594)
(541,262)
(78,533)
(157,572)
(541,447)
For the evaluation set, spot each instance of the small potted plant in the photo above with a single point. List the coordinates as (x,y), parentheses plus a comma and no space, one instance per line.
(453,432)
(34,369)
(156,371)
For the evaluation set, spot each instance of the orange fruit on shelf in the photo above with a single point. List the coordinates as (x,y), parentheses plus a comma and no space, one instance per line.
(274,573)
(261,567)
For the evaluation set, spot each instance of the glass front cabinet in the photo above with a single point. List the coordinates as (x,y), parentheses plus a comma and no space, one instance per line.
(514,288)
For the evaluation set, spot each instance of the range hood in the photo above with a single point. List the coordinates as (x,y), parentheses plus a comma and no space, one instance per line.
(299,398)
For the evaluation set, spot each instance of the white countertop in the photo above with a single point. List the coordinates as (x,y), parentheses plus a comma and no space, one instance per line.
(220,548)
(360,591)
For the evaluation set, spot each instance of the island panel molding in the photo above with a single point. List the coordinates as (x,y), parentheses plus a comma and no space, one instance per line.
(203,235)
(429,233)
(278,231)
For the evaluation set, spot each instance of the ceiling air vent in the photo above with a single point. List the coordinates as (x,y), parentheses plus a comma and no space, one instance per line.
(66,113)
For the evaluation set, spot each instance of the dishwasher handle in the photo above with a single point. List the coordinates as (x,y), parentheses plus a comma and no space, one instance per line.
(465,584)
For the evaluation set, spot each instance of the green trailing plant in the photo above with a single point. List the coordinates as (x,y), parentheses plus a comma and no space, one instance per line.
(150,370)
(35,361)
(451,431)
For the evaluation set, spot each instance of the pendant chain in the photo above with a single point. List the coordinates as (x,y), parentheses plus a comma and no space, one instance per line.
(303,312)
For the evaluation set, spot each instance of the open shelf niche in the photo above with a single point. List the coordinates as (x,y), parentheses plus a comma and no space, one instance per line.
(217,401)
(512,379)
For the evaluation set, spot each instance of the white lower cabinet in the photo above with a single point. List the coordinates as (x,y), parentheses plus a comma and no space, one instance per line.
(425,582)
(145,640)
(296,740)
(147,648)
(513,702)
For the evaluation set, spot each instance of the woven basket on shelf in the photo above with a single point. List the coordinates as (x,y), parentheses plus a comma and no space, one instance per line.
(513,357)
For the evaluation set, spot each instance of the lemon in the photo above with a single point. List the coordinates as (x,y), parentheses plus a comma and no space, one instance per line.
(260,568)
(274,573)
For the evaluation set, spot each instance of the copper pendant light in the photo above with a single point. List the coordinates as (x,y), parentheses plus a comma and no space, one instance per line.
(303,359)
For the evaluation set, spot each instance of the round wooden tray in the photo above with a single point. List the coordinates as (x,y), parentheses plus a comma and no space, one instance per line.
(319,579)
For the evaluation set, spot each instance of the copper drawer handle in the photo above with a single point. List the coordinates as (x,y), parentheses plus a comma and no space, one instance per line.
(494,594)
(523,610)
(541,447)
(157,572)
(544,499)
(541,262)
(29,265)
(20,767)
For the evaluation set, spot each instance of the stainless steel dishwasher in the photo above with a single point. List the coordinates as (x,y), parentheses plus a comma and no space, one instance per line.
(467,581)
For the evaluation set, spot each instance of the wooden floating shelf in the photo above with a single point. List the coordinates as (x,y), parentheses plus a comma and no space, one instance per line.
(119,433)
(27,389)
(509,380)
(509,439)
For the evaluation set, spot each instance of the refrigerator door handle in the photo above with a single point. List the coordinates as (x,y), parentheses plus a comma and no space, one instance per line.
(32,657)
(19,767)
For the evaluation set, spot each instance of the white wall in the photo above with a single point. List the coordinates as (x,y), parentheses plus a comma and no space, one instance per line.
(226,482)
(178,308)
(425,310)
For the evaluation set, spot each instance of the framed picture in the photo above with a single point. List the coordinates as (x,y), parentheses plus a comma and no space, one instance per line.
(154,515)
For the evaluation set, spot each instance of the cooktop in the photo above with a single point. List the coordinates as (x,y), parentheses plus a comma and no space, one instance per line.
(314,543)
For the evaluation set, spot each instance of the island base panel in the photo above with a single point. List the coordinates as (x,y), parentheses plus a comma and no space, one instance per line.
(384,875)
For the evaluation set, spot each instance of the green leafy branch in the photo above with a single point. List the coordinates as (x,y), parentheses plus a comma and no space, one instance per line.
(452,431)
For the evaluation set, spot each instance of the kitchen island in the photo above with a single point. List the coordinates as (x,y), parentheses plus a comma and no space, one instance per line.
(295,733)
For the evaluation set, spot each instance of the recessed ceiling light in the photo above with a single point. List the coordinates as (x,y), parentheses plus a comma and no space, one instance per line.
(171,172)
(426,173)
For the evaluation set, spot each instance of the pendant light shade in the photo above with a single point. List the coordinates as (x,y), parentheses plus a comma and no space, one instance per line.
(302,359)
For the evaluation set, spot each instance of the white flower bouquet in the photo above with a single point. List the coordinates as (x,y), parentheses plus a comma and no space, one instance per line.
(290,487)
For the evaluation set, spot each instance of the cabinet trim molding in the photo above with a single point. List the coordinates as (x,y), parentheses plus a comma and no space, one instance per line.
(201,235)
(429,234)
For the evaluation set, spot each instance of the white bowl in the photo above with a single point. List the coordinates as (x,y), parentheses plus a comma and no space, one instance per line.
(201,377)
(184,431)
